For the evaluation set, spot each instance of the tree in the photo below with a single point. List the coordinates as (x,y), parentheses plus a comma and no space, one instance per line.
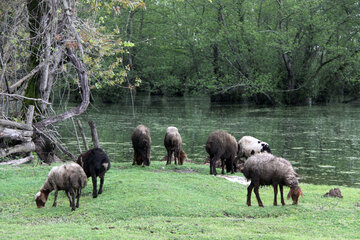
(59,46)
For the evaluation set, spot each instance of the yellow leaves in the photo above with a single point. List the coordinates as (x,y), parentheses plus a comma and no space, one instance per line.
(119,41)
(137,82)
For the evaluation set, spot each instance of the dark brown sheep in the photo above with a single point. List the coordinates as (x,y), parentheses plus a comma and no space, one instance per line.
(95,163)
(141,141)
(267,169)
(173,144)
(221,145)
(69,177)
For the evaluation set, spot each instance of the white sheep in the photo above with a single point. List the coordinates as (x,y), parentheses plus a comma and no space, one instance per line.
(249,146)
(69,177)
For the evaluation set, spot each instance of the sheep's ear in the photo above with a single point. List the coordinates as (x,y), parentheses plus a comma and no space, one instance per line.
(290,193)
(301,193)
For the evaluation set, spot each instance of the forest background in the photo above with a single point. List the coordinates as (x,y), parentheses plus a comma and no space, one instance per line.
(266,51)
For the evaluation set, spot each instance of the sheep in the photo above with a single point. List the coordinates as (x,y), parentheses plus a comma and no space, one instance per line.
(69,177)
(221,145)
(173,144)
(141,141)
(95,163)
(267,169)
(249,146)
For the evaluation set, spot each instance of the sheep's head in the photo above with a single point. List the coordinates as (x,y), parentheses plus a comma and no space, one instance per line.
(295,193)
(40,199)
(182,157)
(265,147)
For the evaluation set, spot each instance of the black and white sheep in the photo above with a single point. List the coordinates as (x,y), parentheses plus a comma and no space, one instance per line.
(69,177)
(173,144)
(141,141)
(221,145)
(249,146)
(267,169)
(95,163)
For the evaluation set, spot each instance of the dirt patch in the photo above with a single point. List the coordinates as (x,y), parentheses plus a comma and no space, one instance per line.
(334,193)
(235,179)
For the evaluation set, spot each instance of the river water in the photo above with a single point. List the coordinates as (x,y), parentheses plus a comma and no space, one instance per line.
(322,142)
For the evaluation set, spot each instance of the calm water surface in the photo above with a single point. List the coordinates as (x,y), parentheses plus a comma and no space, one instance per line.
(322,142)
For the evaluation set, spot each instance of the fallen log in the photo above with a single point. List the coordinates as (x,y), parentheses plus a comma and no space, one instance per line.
(22,135)
(7,123)
(20,148)
(18,161)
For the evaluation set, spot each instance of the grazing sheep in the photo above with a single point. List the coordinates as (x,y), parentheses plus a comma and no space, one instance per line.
(141,141)
(95,163)
(249,146)
(267,169)
(69,177)
(173,144)
(221,145)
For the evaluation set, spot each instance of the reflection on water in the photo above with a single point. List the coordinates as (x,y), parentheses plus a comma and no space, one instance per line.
(322,142)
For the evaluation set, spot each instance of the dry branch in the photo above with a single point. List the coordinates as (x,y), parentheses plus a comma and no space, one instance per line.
(85,94)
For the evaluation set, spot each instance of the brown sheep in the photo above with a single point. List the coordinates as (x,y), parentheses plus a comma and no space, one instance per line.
(267,169)
(141,141)
(221,145)
(69,177)
(173,144)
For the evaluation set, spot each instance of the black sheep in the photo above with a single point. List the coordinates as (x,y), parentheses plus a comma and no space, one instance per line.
(95,163)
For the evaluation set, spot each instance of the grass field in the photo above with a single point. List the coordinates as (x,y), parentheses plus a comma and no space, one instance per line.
(170,202)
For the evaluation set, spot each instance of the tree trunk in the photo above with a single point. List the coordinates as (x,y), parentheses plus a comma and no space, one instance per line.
(83,135)
(94,134)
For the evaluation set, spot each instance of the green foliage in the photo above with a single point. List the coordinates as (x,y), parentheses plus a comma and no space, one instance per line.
(165,202)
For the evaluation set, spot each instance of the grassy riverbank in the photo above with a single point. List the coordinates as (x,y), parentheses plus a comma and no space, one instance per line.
(170,202)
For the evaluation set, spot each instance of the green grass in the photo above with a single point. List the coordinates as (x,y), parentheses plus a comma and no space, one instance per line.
(166,202)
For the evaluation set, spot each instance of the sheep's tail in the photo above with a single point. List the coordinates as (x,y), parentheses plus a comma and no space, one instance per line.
(83,181)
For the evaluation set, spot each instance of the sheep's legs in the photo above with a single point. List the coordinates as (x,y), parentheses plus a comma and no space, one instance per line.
(101,183)
(135,158)
(176,153)
(55,197)
(72,193)
(256,190)
(275,194)
(213,165)
(168,157)
(250,188)
(94,181)
(281,194)
(222,166)
(78,197)
(69,197)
